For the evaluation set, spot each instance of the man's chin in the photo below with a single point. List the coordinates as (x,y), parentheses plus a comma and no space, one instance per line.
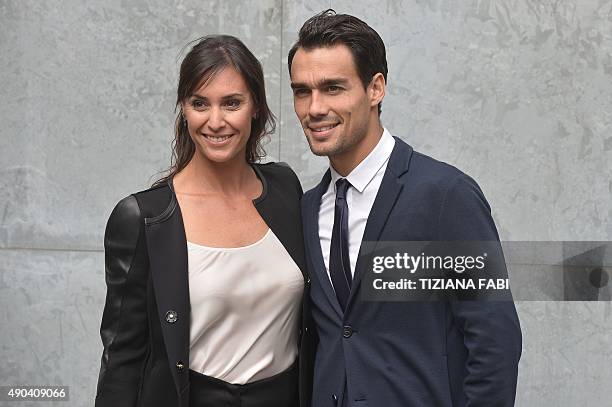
(322,149)
(320,153)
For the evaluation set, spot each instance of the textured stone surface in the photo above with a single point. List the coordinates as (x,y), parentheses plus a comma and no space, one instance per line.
(516,93)
(566,354)
(294,147)
(88,104)
(52,304)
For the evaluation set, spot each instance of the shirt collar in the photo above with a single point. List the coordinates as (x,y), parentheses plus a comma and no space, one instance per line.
(361,175)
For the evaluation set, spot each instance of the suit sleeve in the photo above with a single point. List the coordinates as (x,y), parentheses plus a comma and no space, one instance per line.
(491,329)
(124,329)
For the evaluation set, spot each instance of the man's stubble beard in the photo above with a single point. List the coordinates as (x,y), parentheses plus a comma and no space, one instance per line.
(342,145)
(325,152)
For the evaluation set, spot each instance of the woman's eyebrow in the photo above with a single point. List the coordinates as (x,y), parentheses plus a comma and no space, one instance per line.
(230,96)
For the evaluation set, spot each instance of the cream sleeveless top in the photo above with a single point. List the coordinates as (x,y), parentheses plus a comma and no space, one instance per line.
(245,310)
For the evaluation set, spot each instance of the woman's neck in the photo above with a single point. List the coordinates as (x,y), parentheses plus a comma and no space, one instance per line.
(202,176)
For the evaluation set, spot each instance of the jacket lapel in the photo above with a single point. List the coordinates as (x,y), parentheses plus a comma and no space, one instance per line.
(167,246)
(310,212)
(389,191)
(279,221)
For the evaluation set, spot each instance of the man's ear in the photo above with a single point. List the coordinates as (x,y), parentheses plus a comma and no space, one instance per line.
(377,89)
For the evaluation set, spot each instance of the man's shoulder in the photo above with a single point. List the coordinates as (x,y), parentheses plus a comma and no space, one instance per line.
(426,170)
(439,179)
(436,169)
(410,163)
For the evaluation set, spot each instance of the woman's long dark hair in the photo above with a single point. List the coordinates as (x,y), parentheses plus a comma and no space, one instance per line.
(210,55)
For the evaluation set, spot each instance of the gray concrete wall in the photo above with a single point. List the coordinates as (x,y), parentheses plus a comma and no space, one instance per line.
(516,93)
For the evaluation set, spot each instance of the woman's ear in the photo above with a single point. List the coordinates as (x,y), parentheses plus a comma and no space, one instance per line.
(182,113)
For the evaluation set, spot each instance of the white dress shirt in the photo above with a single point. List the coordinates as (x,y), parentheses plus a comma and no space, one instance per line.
(365,181)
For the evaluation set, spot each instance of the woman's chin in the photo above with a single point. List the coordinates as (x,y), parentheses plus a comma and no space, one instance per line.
(222,157)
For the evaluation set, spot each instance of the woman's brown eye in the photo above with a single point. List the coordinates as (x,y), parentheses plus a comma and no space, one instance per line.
(233,103)
(197,104)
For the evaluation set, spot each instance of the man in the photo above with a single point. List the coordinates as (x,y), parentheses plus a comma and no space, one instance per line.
(387,354)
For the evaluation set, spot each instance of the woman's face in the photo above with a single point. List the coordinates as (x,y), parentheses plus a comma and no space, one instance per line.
(219,116)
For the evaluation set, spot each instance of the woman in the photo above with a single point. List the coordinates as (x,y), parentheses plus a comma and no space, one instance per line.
(205,270)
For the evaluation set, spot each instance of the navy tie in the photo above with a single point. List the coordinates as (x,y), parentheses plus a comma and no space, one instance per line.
(339,263)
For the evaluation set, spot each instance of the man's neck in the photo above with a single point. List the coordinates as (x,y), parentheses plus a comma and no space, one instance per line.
(346,162)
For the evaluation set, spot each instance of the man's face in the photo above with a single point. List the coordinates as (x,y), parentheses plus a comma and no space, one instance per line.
(337,113)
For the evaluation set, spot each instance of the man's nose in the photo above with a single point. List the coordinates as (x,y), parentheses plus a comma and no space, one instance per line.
(318,106)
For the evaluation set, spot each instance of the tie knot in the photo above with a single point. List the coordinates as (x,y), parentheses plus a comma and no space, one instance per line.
(342,185)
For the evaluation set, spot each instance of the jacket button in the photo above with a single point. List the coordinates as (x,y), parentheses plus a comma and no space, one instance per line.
(180,366)
(347,331)
(171,316)
(335,399)
(308,281)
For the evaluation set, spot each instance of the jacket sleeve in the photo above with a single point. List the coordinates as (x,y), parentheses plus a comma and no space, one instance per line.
(491,329)
(293,176)
(124,328)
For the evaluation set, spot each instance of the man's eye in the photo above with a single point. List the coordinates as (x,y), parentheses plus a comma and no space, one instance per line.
(334,89)
(300,92)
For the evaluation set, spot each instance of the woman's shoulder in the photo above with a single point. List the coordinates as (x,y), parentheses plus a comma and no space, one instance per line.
(281,176)
(278,171)
(277,167)
(144,204)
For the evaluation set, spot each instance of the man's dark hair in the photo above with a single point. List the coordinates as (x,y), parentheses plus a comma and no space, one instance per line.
(327,29)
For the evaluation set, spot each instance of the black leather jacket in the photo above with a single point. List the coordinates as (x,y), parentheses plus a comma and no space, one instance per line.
(145,325)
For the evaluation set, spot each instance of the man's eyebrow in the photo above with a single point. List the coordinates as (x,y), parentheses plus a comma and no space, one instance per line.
(298,85)
(321,84)
(332,82)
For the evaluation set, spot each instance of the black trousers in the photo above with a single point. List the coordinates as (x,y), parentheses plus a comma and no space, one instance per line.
(280,390)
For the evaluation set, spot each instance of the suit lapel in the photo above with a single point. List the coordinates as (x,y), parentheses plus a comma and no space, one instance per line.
(310,209)
(167,247)
(388,193)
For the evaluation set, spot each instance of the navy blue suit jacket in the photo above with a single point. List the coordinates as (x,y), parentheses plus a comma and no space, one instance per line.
(409,354)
